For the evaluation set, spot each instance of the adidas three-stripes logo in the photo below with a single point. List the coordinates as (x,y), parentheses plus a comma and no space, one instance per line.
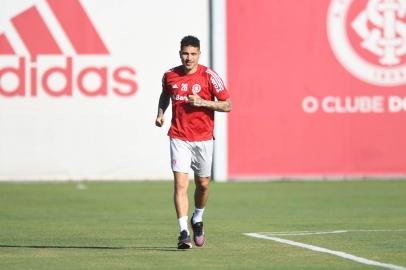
(38,39)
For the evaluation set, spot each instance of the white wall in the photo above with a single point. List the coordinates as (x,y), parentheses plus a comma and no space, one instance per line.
(110,137)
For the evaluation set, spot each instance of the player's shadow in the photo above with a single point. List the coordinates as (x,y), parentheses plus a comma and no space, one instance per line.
(147,248)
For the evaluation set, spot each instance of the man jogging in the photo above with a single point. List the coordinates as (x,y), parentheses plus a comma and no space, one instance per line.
(196,92)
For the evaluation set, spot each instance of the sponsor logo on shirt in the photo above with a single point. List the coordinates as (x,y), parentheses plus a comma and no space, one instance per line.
(179,97)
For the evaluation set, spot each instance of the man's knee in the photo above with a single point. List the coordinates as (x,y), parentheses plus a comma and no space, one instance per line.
(202,184)
(181,189)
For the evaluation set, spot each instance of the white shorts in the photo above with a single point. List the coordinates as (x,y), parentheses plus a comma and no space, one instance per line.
(195,155)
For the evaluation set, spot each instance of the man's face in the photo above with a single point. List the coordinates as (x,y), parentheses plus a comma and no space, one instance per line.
(189,56)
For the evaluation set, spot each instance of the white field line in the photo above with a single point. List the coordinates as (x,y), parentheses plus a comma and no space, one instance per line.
(328,251)
(321,232)
(301,233)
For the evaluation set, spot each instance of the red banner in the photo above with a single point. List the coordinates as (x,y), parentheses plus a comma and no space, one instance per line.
(318,87)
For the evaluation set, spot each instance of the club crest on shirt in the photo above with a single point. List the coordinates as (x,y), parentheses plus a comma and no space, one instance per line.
(196,88)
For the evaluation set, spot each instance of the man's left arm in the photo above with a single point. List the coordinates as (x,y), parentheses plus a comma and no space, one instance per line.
(219,106)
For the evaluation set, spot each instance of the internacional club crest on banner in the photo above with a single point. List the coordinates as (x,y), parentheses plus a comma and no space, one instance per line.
(368,37)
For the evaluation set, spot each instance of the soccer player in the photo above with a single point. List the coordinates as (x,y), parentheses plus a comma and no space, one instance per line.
(196,92)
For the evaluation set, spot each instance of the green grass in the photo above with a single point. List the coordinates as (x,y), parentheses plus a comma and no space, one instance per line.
(132,225)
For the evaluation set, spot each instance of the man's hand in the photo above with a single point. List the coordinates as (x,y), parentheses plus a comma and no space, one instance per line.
(162,105)
(159,122)
(195,100)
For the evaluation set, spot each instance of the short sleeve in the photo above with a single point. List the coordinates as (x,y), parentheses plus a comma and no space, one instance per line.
(217,85)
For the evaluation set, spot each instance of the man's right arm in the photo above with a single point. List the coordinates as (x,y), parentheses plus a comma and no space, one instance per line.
(162,106)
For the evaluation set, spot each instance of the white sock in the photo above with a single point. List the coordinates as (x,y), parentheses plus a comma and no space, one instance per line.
(198,215)
(183,224)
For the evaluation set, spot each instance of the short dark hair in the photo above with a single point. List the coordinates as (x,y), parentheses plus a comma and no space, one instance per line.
(190,41)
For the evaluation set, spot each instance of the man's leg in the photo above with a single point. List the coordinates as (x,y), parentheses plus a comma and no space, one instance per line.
(201,191)
(180,197)
(181,158)
(201,196)
(201,165)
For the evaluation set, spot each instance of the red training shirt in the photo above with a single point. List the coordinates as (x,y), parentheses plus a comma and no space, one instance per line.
(192,123)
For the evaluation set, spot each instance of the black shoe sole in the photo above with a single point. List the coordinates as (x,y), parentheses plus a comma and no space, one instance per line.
(184,246)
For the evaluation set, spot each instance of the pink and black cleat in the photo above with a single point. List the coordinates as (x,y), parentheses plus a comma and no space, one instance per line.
(198,233)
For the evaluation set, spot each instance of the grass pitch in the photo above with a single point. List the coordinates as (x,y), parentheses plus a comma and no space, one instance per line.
(132,225)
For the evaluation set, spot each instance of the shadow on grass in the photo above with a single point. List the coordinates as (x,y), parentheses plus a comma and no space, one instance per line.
(92,247)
